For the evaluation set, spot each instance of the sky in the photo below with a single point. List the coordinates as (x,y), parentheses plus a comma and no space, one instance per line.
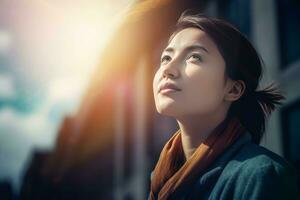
(48,51)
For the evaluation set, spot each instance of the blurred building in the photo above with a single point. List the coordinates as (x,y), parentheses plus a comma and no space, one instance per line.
(6,191)
(109,148)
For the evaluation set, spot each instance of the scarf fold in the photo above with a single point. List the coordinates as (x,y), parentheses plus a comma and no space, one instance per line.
(173,176)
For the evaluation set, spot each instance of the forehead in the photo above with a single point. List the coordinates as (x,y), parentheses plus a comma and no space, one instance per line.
(191,36)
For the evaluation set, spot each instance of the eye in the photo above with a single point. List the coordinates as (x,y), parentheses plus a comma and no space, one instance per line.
(165,58)
(195,57)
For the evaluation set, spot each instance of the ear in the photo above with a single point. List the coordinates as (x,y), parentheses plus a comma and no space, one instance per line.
(236,90)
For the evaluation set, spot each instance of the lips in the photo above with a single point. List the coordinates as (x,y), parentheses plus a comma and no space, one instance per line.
(170,86)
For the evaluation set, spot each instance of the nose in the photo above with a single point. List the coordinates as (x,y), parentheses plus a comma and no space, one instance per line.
(170,71)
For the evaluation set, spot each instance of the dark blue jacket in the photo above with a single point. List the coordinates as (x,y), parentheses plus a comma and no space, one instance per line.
(246,171)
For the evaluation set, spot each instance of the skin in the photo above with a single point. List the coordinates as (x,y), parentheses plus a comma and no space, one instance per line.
(206,93)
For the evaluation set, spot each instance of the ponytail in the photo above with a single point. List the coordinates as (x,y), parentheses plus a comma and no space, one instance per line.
(254,107)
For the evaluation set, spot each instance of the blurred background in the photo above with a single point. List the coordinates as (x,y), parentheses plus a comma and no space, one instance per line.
(77,115)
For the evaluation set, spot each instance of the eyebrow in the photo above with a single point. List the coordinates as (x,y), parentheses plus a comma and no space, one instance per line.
(189,48)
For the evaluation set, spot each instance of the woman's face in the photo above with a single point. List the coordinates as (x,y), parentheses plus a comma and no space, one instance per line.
(195,67)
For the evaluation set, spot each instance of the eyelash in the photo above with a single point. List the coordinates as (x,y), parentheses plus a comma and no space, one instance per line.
(163,58)
(196,55)
(193,55)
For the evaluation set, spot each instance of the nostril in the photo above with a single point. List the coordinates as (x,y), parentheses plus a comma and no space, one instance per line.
(168,75)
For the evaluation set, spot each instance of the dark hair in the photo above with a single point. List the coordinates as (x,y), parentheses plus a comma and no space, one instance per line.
(242,63)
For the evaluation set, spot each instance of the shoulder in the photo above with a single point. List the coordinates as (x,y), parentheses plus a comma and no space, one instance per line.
(259,173)
(255,157)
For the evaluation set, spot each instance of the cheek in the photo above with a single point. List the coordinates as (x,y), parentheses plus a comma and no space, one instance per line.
(155,81)
(204,89)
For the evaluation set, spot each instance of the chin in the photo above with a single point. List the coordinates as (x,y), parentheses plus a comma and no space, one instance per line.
(167,111)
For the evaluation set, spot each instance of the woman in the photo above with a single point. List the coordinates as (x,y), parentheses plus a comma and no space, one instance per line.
(207,80)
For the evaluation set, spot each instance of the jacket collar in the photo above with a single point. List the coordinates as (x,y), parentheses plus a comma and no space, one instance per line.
(213,172)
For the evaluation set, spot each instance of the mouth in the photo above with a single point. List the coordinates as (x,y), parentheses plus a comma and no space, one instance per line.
(168,87)
(168,90)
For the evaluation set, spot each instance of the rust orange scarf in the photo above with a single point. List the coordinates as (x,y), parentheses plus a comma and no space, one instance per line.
(173,176)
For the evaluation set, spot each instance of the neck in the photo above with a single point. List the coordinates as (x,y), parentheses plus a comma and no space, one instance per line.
(194,131)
